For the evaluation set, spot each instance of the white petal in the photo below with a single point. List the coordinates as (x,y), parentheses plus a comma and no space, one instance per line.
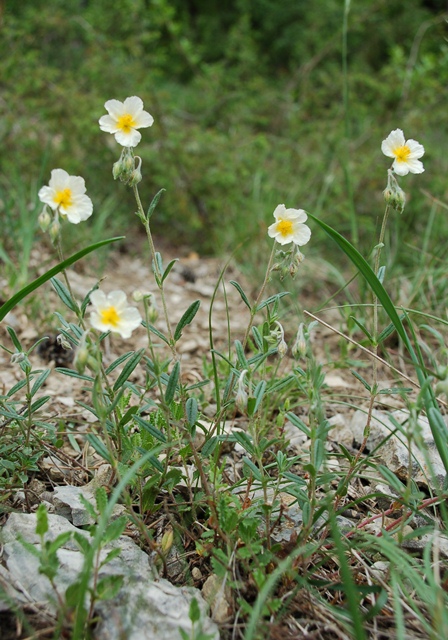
(394,139)
(417,149)
(46,195)
(98,299)
(401,168)
(298,215)
(96,322)
(131,317)
(108,124)
(130,139)
(117,299)
(415,166)
(302,234)
(279,211)
(59,179)
(272,229)
(80,210)
(115,108)
(133,105)
(77,185)
(143,120)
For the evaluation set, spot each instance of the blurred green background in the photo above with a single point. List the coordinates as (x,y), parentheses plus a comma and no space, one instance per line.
(251,105)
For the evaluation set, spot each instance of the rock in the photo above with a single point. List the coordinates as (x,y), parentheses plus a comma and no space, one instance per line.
(143,609)
(218,596)
(394,454)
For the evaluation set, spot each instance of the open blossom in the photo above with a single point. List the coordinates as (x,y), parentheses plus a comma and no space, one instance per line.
(124,119)
(111,313)
(404,152)
(288,226)
(67,195)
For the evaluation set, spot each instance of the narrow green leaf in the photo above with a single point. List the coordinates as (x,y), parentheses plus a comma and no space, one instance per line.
(116,363)
(271,299)
(99,447)
(244,440)
(168,269)
(242,361)
(209,447)
(259,393)
(258,338)
(186,319)
(40,381)
(172,383)
(154,203)
(191,407)
(64,295)
(297,422)
(281,384)
(361,380)
(254,470)
(363,328)
(392,479)
(128,369)
(108,587)
(74,374)
(241,292)
(150,428)
(14,338)
(158,333)
(35,284)
(37,404)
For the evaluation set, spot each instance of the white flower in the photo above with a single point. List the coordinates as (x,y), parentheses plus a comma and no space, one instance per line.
(67,195)
(111,313)
(124,119)
(289,226)
(404,152)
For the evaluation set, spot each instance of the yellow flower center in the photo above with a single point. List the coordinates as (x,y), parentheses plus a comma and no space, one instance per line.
(63,198)
(126,122)
(284,227)
(110,316)
(402,153)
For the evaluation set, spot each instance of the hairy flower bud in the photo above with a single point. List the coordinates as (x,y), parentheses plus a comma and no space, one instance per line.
(44,219)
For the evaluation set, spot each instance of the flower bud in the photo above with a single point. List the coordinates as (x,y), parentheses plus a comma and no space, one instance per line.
(299,347)
(44,219)
(241,394)
(63,342)
(81,357)
(393,193)
(54,230)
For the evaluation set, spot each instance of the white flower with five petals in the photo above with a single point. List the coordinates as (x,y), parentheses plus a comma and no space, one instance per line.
(288,226)
(406,153)
(111,313)
(66,194)
(123,120)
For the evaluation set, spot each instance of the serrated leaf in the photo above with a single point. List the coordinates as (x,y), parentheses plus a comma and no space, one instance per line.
(191,407)
(41,520)
(101,500)
(186,319)
(64,295)
(108,587)
(128,369)
(114,529)
(154,203)
(172,383)
(242,294)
